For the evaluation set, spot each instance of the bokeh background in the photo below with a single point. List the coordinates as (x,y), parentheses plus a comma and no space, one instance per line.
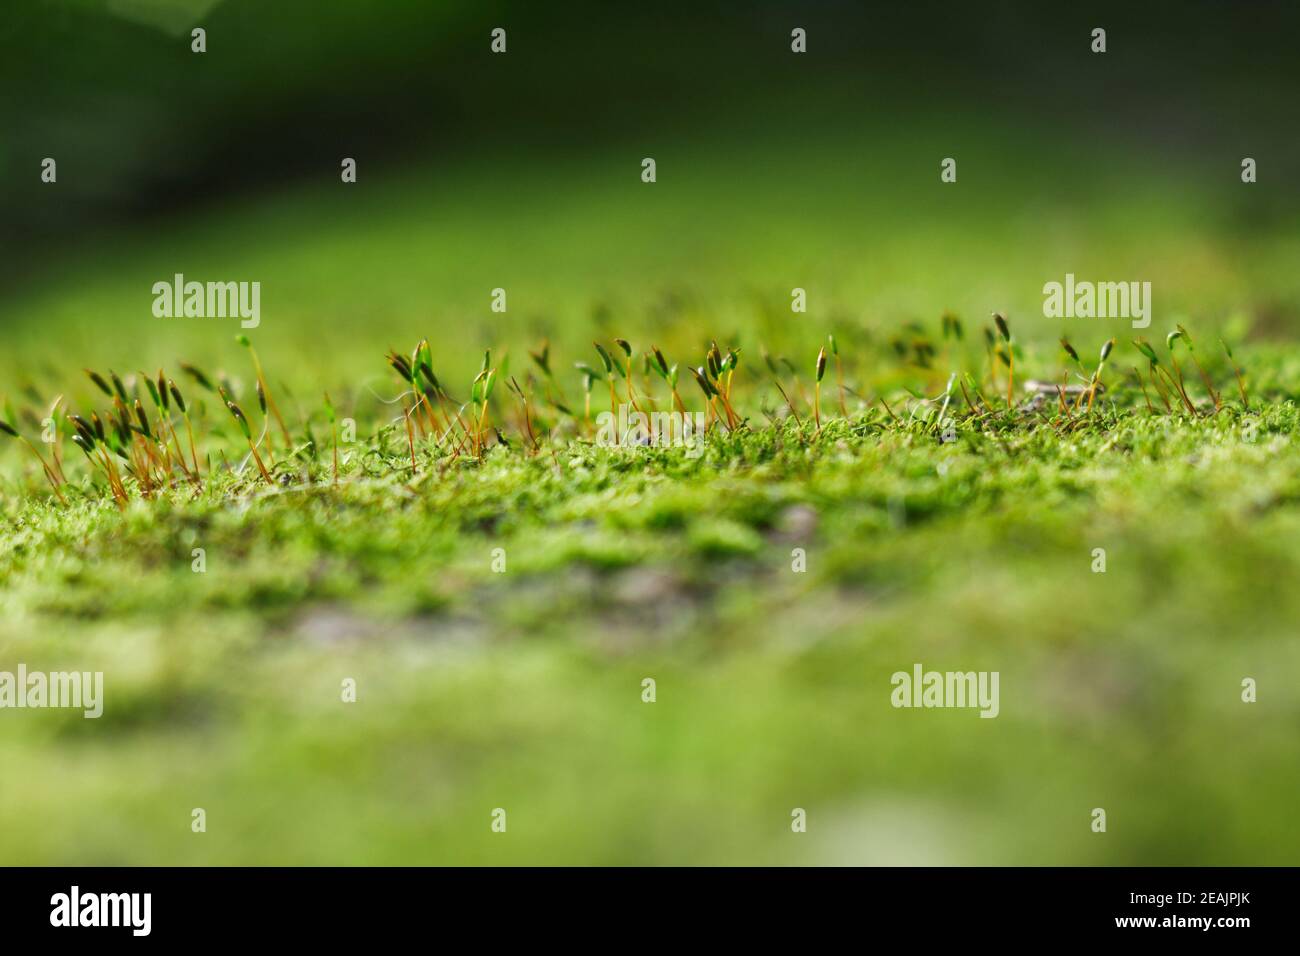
(522,171)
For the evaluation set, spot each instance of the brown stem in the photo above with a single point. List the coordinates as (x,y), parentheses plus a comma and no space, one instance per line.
(258,458)
(1218,401)
(49,475)
(410,439)
(194,455)
(270,401)
(1241,386)
(839,378)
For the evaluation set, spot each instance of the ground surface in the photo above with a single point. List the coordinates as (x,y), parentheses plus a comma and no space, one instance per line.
(522,689)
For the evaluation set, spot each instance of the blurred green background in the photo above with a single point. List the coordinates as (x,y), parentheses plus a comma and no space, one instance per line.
(775,171)
(522,172)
